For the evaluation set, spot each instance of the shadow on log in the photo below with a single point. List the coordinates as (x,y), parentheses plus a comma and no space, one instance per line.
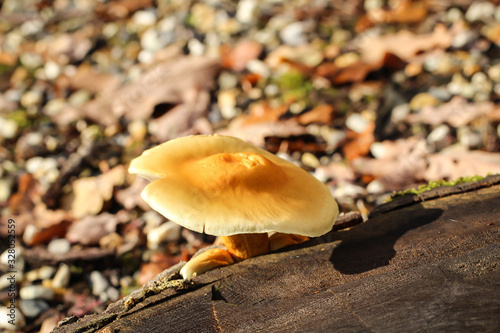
(431,265)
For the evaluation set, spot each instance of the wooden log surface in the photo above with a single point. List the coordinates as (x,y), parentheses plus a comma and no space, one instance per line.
(432,265)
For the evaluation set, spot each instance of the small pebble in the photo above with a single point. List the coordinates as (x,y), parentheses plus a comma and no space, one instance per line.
(150,40)
(378,150)
(227,81)
(8,128)
(5,188)
(5,282)
(494,72)
(227,103)
(7,255)
(439,134)
(413,69)
(375,187)
(32,308)
(423,99)
(54,106)
(31,98)
(42,273)
(99,283)
(20,321)
(454,14)
(357,123)
(310,160)
(59,246)
(31,60)
(52,70)
(62,277)
(246,10)
(348,190)
(468,138)
(440,93)
(293,34)
(79,97)
(36,292)
(144,18)
(258,67)
(137,129)
(480,11)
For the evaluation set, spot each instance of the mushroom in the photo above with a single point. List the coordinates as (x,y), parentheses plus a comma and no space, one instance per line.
(226,187)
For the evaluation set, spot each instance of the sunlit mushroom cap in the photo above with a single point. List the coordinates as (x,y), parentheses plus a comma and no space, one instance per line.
(223,186)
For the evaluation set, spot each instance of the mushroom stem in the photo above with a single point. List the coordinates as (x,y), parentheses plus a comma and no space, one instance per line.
(243,246)
(206,261)
(280,240)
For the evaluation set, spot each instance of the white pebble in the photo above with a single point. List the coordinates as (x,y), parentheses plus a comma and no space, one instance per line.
(31,97)
(480,11)
(33,308)
(8,128)
(16,315)
(36,292)
(144,18)
(7,255)
(99,283)
(378,150)
(245,12)
(61,279)
(293,34)
(375,187)
(42,273)
(438,134)
(357,123)
(52,70)
(59,246)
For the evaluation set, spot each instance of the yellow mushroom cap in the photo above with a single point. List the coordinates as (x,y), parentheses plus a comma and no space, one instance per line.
(224,186)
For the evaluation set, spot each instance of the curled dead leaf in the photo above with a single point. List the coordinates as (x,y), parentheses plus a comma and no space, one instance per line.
(90,229)
(90,193)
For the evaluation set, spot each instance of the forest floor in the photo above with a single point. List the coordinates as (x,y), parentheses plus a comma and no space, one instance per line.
(369,97)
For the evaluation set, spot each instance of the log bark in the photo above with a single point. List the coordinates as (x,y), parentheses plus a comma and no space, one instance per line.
(428,265)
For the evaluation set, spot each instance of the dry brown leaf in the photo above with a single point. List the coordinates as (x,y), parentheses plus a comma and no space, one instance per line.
(28,190)
(335,170)
(457,112)
(7,59)
(262,112)
(131,196)
(159,262)
(360,144)
(166,82)
(403,165)
(403,44)
(88,78)
(180,120)
(257,132)
(117,9)
(320,114)
(237,57)
(352,73)
(90,229)
(455,164)
(90,193)
(358,71)
(404,11)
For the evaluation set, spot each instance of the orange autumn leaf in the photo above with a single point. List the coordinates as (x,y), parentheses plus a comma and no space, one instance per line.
(321,114)
(404,11)
(360,143)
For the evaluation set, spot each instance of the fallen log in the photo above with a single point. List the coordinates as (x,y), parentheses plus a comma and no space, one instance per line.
(430,264)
